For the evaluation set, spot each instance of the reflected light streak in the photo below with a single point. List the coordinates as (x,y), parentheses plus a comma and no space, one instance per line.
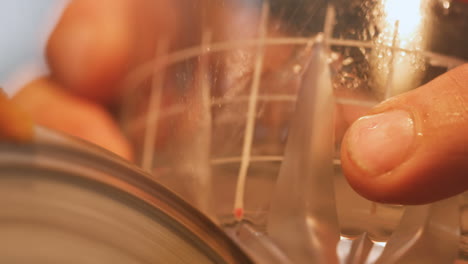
(401,71)
(409,15)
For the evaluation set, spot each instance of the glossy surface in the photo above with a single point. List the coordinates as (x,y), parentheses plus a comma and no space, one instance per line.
(64,200)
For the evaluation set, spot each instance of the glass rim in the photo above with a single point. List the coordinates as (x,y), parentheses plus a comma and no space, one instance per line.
(75,159)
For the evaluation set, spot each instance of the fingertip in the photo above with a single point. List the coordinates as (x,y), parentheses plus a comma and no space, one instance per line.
(422,174)
(50,106)
(412,148)
(89,50)
(15,124)
(96,43)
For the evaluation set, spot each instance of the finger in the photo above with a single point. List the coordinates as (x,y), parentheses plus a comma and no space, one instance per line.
(90,46)
(95,42)
(49,105)
(15,124)
(413,148)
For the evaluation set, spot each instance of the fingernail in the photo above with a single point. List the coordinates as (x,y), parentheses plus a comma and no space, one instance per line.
(379,143)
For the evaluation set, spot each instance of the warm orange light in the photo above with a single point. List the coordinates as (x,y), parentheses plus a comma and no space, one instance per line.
(403,23)
(409,15)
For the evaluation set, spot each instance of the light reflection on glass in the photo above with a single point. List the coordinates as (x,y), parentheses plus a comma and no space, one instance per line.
(403,23)
(409,17)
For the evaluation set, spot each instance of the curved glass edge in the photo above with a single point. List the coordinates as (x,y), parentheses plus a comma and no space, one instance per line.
(53,150)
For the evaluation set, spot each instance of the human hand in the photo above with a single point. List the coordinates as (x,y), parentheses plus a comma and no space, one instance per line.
(97,44)
(412,148)
(92,47)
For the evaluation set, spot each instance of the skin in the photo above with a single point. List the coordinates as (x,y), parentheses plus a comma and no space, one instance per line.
(436,165)
(48,104)
(97,42)
(16,125)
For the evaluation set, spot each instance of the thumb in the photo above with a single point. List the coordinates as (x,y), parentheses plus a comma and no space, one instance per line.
(412,148)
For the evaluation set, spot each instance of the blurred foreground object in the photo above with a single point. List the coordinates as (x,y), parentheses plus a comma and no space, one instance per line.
(15,124)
